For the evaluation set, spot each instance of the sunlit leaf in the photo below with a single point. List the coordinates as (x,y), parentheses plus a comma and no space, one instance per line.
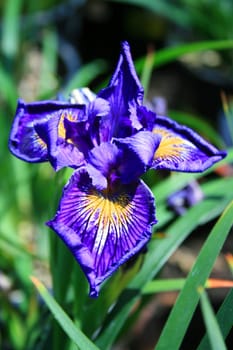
(166,285)
(75,334)
(188,297)
(224,318)
(213,330)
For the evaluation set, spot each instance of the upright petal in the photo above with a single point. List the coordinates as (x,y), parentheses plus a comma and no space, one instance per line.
(103,230)
(125,77)
(124,93)
(182,149)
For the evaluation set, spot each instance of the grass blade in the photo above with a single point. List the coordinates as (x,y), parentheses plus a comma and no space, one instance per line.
(167,285)
(189,297)
(85,75)
(170,54)
(48,82)
(10,27)
(7,88)
(65,322)
(225,320)
(213,330)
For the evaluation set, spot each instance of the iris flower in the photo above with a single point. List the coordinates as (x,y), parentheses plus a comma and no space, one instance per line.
(106,211)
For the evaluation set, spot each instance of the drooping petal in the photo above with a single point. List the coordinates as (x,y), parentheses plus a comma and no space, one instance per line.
(106,158)
(124,93)
(103,230)
(137,154)
(125,159)
(182,149)
(24,142)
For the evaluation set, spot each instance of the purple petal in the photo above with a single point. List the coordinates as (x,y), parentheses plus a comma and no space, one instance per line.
(105,158)
(126,77)
(126,159)
(146,118)
(182,149)
(85,133)
(24,142)
(103,230)
(137,154)
(124,93)
(188,196)
(62,150)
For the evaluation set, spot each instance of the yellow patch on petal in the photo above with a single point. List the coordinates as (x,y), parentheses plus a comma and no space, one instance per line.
(61,127)
(110,208)
(170,145)
(109,213)
(40,142)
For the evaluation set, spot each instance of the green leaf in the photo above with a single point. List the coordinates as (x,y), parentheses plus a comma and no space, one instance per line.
(213,330)
(224,318)
(147,72)
(75,334)
(8,88)
(170,54)
(164,285)
(10,27)
(48,81)
(188,298)
(85,75)
(171,284)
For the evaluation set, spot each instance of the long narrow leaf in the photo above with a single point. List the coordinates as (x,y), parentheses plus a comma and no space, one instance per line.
(166,285)
(213,330)
(62,318)
(225,320)
(170,54)
(189,297)
(85,75)
(10,27)
(47,81)
(8,88)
